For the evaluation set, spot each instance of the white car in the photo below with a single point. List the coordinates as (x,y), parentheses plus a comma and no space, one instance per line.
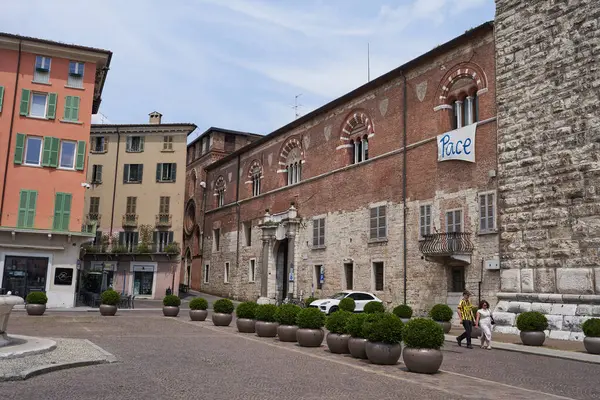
(332,303)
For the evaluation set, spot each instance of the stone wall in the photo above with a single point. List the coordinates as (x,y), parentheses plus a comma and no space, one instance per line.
(548,101)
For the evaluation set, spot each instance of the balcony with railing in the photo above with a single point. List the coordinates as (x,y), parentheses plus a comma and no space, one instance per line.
(452,248)
(163,220)
(130,220)
(93,217)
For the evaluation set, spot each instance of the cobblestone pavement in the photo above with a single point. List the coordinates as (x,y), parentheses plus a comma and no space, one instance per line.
(175,358)
(567,345)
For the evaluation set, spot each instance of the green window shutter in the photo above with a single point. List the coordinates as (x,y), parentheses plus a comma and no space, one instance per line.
(173,171)
(47,149)
(80,159)
(54,152)
(1,97)
(31,208)
(142,143)
(67,116)
(66,216)
(51,114)
(170,237)
(75,100)
(122,238)
(58,203)
(24,108)
(23,201)
(125,173)
(19,148)
(158,172)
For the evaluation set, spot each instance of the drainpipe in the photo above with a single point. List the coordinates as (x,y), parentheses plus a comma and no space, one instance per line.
(114,194)
(10,133)
(237,203)
(404,112)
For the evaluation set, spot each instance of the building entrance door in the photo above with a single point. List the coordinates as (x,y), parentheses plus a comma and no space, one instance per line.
(24,274)
(281,273)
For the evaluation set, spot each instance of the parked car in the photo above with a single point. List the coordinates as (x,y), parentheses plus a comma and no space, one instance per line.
(331,304)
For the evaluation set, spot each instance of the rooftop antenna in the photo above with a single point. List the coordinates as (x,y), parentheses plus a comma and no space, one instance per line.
(368,63)
(103,118)
(296,106)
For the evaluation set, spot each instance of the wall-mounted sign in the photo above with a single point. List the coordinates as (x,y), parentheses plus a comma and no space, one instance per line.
(63,276)
(322,275)
(458,144)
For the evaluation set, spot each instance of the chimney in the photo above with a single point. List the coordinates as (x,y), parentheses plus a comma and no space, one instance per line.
(155,117)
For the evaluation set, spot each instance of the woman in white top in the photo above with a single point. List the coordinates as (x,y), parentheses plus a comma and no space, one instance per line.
(484,320)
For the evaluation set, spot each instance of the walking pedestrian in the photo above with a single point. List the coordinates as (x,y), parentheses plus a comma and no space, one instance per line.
(466,318)
(484,319)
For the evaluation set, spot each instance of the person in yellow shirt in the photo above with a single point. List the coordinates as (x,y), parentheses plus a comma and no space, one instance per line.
(466,318)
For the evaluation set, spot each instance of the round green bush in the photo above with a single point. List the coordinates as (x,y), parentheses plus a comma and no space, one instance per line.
(171,300)
(110,297)
(36,298)
(354,325)
(591,327)
(246,310)
(367,327)
(309,300)
(403,311)
(423,333)
(286,314)
(441,313)
(265,312)
(336,322)
(386,329)
(374,307)
(532,321)
(223,306)
(198,303)
(310,318)
(347,304)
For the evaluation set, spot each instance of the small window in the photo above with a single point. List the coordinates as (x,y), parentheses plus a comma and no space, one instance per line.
(318,276)
(67,154)
(33,150)
(41,73)
(229,143)
(220,197)
(378,276)
(454,221)
(458,280)
(294,173)
(226,273)
(162,240)
(252,271)
(166,172)
(425,220)
(378,226)
(206,273)
(256,181)
(135,144)
(133,173)
(204,145)
(129,239)
(168,143)
(97,174)
(248,233)
(319,232)
(349,275)
(164,205)
(75,78)
(487,213)
(98,144)
(94,205)
(131,205)
(216,239)
(39,105)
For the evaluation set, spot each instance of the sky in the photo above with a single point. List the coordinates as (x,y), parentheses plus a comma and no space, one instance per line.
(239,64)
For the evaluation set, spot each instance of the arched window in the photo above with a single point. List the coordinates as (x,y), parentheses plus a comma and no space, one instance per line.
(256,181)
(291,158)
(192,184)
(220,191)
(465,109)
(356,132)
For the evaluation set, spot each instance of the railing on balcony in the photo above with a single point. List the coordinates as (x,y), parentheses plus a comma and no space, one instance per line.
(130,220)
(93,217)
(89,227)
(446,244)
(163,220)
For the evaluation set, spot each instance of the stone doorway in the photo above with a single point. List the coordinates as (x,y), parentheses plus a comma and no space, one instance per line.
(281,269)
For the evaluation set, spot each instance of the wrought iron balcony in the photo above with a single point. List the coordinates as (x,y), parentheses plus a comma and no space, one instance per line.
(446,244)
(163,220)
(130,220)
(93,217)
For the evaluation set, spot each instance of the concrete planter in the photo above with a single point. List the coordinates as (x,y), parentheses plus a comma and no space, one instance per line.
(266,329)
(446,326)
(383,353)
(108,310)
(338,344)
(287,333)
(592,344)
(476,332)
(422,361)
(170,311)
(35,309)
(357,347)
(220,319)
(535,338)
(310,337)
(198,315)
(245,325)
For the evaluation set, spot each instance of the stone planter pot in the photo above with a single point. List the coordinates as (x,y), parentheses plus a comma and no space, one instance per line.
(245,325)
(404,320)
(383,353)
(310,337)
(422,361)
(287,333)
(357,347)
(446,326)
(108,310)
(35,309)
(198,315)
(170,311)
(592,344)
(266,329)
(220,319)
(476,333)
(533,338)
(338,344)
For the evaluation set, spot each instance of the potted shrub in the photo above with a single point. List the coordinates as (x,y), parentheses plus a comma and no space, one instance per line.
(245,313)
(286,315)
(198,307)
(36,303)
(442,314)
(337,338)
(110,299)
(222,310)
(357,341)
(347,304)
(422,340)
(532,325)
(591,330)
(171,305)
(476,332)
(404,312)
(309,300)
(373,307)
(384,336)
(265,320)
(310,323)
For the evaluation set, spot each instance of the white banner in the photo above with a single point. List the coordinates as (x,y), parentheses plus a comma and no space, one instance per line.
(458,144)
